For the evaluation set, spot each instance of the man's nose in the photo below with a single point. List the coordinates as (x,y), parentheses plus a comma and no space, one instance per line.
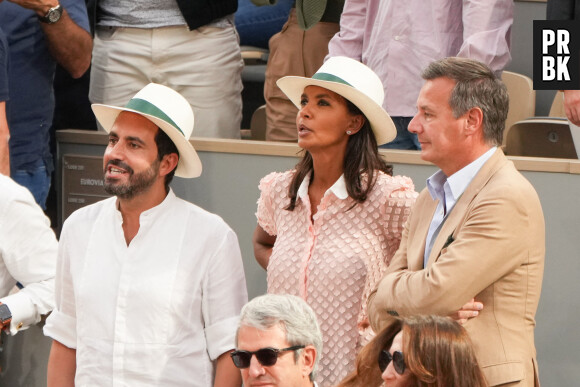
(114,151)
(256,369)
(414,126)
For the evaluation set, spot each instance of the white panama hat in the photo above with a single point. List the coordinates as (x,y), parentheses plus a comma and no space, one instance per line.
(167,109)
(353,81)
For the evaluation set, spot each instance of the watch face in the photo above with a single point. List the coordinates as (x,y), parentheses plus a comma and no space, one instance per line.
(54,15)
(5,313)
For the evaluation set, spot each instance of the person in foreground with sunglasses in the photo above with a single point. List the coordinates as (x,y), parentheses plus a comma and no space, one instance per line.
(278,342)
(419,351)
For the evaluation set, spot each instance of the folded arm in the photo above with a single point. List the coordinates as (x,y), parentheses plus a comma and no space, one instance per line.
(465,268)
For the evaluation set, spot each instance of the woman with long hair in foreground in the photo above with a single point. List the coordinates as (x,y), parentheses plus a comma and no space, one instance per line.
(420,351)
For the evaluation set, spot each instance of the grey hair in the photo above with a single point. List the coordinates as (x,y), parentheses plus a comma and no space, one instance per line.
(475,86)
(292,314)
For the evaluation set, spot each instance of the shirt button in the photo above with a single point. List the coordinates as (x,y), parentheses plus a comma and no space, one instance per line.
(397,37)
(20,324)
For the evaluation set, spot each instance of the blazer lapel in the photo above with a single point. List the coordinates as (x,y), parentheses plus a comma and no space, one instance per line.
(449,229)
(416,251)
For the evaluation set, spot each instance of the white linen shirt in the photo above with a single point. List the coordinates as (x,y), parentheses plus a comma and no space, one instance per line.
(155,312)
(28,249)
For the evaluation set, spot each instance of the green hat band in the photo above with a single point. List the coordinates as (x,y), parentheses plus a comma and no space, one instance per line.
(330,77)
(147,107)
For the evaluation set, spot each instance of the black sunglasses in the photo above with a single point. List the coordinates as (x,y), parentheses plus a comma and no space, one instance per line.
(397,358)
(266,356)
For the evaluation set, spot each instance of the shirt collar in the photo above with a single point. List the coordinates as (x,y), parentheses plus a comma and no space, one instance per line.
(338,188)
(154,210)
(459,181)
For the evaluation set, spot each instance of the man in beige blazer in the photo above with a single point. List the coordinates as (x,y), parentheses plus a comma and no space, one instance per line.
(482,220)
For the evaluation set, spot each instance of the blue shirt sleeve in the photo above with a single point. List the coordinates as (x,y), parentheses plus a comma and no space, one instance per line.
(77,10)
(3,67)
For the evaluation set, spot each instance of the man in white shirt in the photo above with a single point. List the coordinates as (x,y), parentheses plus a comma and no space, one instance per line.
(278,342)
(149,286)
(476,232)
(28,250)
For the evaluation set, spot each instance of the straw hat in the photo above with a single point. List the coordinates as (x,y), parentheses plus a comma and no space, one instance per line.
(355,82)
(167,109)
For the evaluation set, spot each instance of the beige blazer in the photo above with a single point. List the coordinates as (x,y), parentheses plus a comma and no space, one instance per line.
(491,247)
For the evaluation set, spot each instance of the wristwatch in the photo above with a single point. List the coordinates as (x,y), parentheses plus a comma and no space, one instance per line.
(5,315)
(52,16)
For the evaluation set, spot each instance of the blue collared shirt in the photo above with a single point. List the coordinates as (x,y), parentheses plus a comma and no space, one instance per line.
(30,106)
(3,67)
(447,191)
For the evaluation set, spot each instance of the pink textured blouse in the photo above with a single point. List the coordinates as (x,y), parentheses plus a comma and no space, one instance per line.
(336,260)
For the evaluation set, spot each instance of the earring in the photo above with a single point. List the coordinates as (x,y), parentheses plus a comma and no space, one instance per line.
(348,132)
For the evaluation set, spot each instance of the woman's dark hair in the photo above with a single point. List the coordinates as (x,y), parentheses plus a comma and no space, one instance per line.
(165,146)
(361,163)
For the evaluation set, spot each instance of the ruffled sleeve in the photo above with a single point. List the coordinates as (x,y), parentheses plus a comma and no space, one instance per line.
(401,199)
(266,211)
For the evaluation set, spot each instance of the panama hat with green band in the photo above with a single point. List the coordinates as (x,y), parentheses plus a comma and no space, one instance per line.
(353,81)
(167,109)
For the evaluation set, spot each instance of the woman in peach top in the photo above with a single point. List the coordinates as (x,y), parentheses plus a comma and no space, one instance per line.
(327,229)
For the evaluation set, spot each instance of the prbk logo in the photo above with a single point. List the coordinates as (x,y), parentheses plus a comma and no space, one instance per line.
(556,55)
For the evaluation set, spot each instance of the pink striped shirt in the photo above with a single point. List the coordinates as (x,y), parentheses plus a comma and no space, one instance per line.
(399,38)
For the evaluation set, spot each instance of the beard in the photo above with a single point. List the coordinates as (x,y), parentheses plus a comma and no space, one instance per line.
(137,182)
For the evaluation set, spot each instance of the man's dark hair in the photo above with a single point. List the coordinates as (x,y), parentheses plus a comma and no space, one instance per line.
(165,147)
(475,86)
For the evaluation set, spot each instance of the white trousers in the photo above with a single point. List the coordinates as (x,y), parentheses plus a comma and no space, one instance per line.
(204,65)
